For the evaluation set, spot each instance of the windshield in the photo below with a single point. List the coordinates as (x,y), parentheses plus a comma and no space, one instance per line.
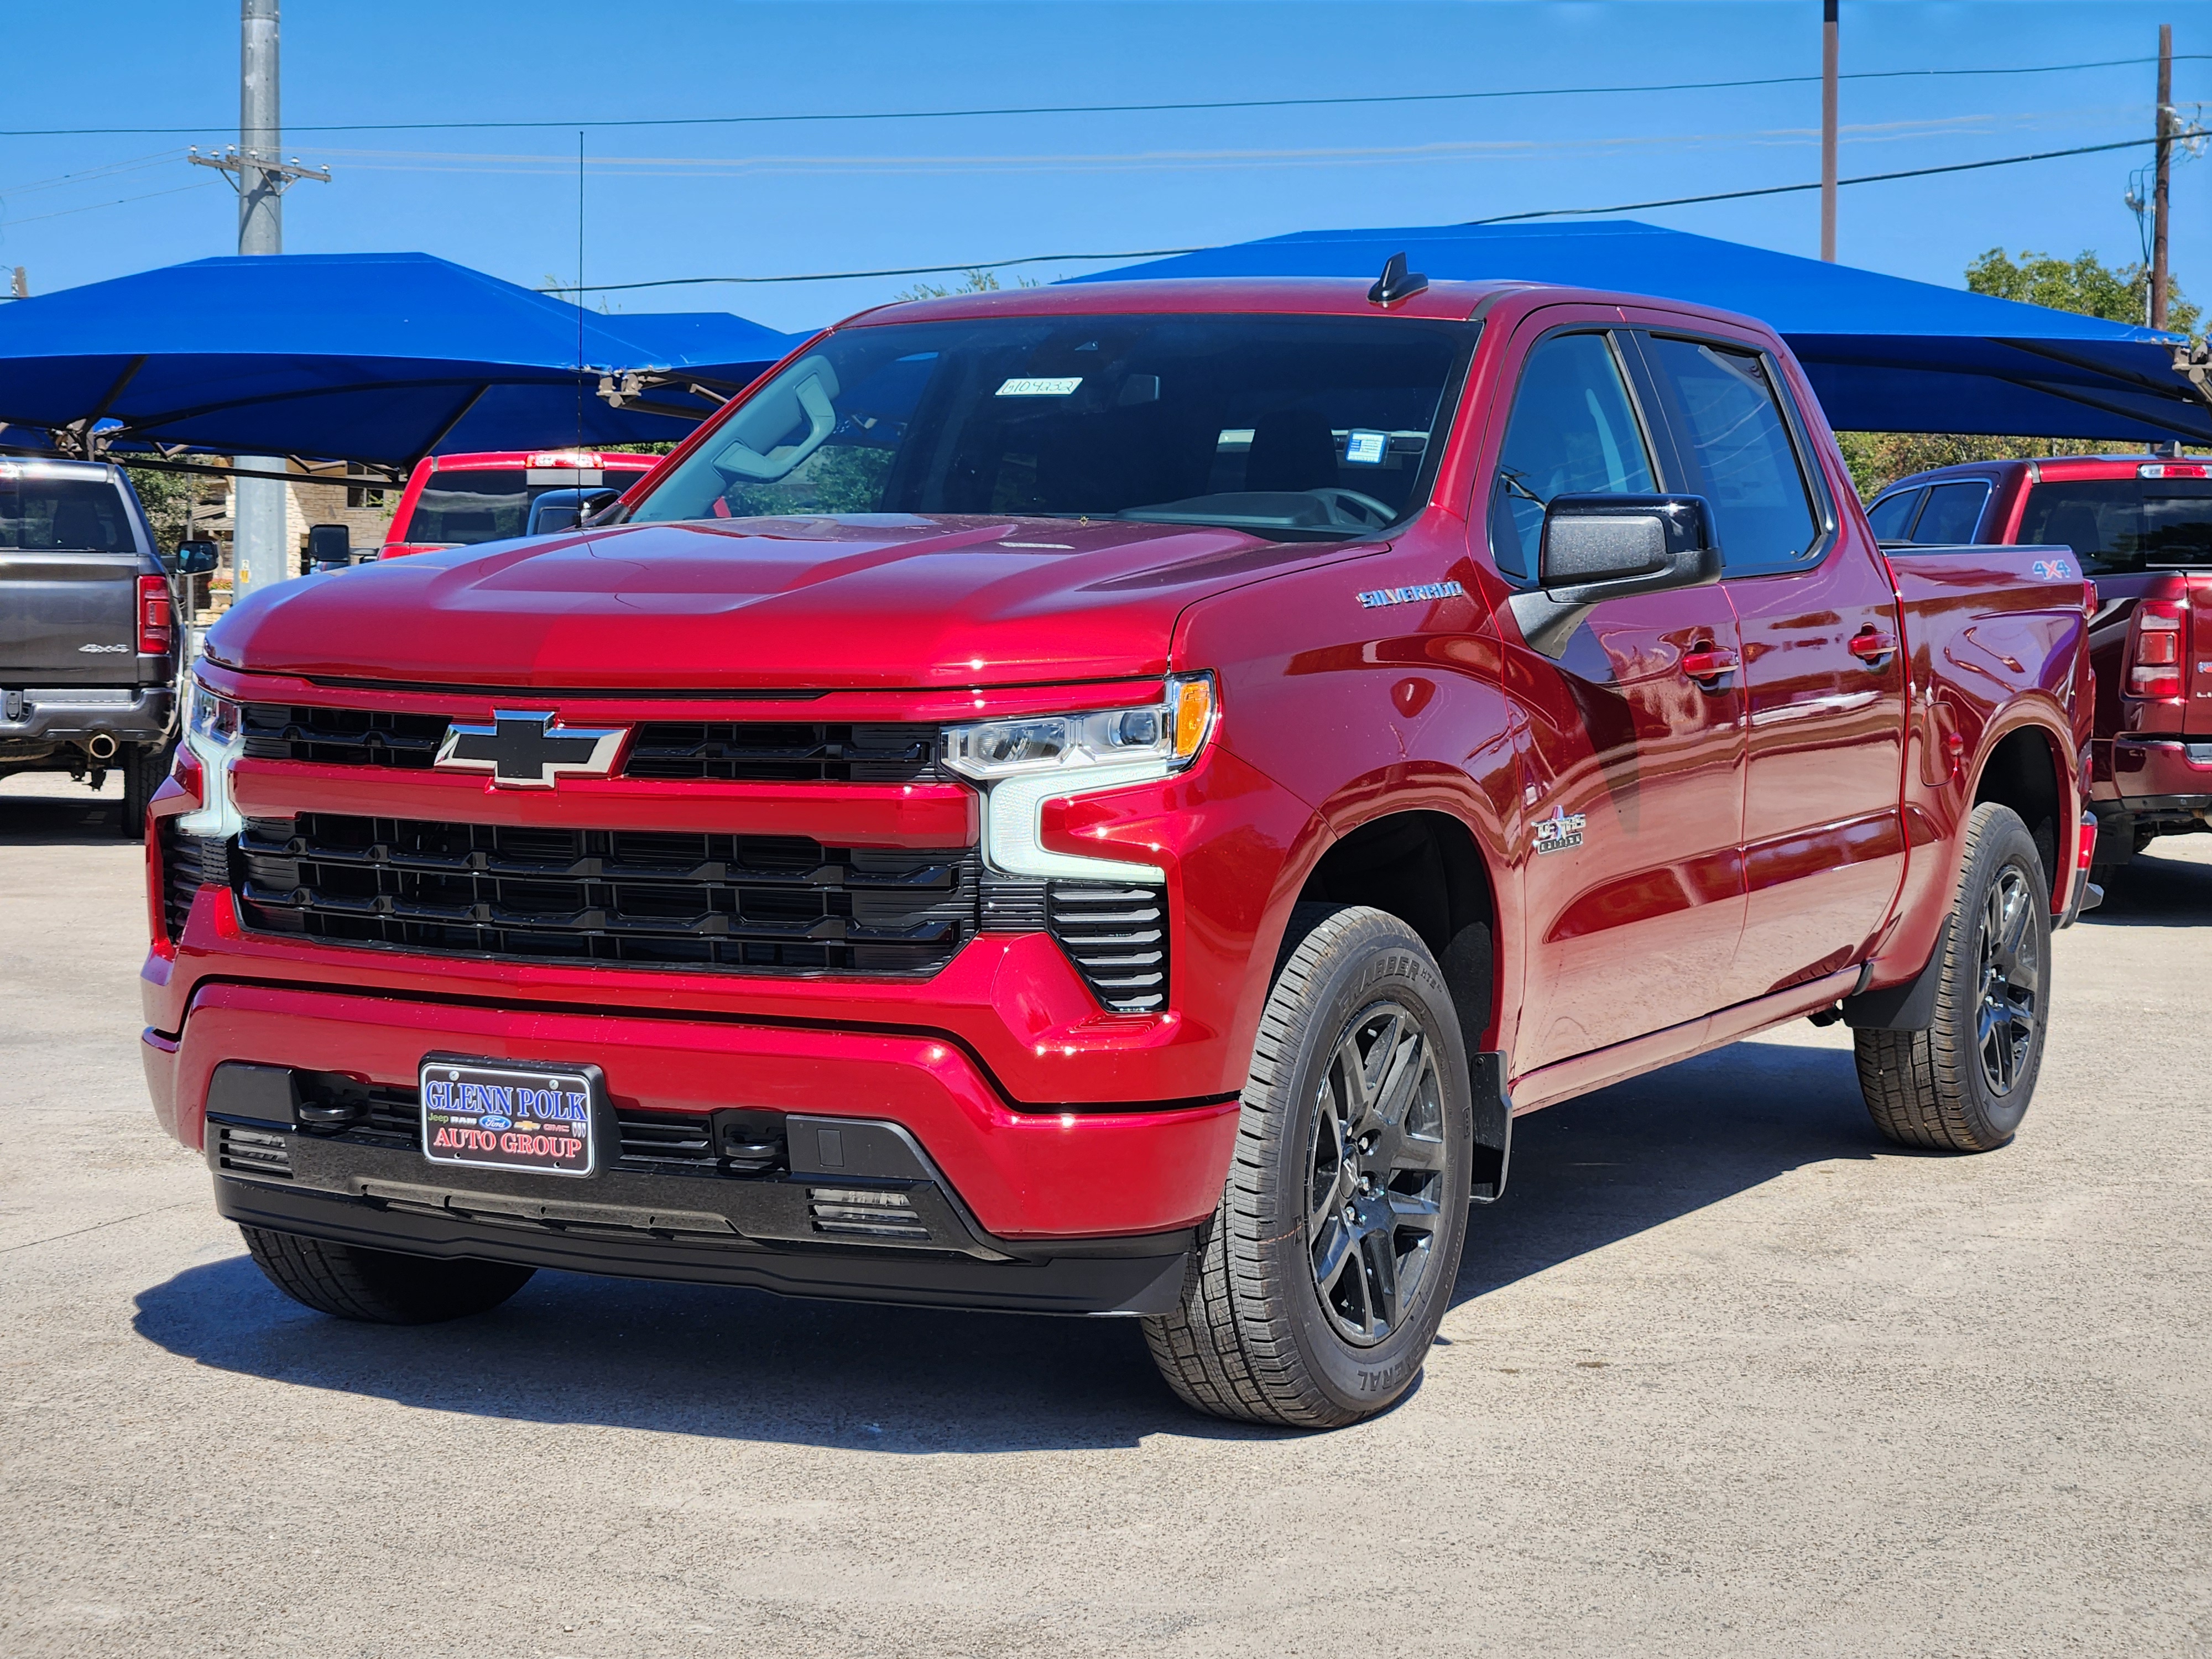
(2123,524)
(1291,428)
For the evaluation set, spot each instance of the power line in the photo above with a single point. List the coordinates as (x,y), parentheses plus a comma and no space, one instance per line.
(1784,190)
(1347,100)
(1499,219)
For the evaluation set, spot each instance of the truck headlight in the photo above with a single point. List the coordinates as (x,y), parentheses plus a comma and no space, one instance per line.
(1022,763)
(215,733)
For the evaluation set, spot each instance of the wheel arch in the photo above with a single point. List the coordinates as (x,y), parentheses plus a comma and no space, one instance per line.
(2024,768)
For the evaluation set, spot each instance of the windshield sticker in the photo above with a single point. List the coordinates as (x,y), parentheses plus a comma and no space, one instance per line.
(1382,596)
(1021,388)
(1366,448)
(1560,831)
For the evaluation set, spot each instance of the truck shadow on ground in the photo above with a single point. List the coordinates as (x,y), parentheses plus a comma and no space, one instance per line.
(2155,891)
(70,815)
(743,1364)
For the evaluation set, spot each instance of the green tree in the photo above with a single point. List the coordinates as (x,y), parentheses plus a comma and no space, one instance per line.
(975,281)
(2085,284)
(168,498)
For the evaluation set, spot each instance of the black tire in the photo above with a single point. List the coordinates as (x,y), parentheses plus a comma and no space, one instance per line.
(381,1287)
(1963,1084)
(143,769)
(1318,1286)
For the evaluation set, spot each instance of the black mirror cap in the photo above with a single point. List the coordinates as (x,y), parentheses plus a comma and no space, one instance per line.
(1594,546)
(555,510)
(194,558)
(330,544)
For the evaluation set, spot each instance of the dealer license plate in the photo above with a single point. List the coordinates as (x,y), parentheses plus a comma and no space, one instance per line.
(507,1116)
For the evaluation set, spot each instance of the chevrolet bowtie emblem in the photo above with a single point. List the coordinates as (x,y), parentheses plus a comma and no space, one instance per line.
(526,750)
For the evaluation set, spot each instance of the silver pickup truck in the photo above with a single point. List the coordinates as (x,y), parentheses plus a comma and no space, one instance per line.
(88,634)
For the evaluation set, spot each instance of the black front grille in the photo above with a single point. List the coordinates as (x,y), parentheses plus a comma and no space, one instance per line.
(643,897)
(252,1152)
(341,737)
(187,863)
(741,751)
(1117,936)
(815,752)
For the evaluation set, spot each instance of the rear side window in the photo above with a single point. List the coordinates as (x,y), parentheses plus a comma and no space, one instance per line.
(2123,524)
(1892,516)
(62,515)
(1953,513)
(1573,431)
(1739,442)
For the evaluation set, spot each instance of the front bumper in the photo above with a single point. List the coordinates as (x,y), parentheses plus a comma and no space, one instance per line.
(1020,1176)
(639,1216)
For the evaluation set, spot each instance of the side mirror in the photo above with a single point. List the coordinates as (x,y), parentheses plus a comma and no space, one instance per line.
(564,509)
(329,545)
(1597,547)
(194,558)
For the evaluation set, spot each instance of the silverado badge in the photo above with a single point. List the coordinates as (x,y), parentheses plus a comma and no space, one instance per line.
(530,750)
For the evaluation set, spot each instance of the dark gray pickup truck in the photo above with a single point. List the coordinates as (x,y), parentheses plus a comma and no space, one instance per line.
(88,638)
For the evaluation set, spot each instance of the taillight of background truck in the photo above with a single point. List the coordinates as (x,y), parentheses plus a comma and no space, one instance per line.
(2154,649)
(155,627)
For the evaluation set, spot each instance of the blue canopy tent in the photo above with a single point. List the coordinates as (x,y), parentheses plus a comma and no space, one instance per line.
(1884,354)
(374,358)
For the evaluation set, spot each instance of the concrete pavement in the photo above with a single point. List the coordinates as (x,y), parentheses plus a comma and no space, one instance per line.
(1726,1374)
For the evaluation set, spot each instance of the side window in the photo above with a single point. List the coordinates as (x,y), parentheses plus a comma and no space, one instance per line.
(1572,432)
(1739,444)
(1953,511)
(1892,516)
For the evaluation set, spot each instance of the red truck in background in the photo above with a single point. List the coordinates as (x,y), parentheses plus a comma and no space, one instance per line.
(2141,527)
(464,501)
(1109,799)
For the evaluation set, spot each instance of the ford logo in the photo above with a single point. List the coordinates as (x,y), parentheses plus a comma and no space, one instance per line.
(493,1121)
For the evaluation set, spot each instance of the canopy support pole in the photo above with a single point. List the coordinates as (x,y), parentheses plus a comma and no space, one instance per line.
(458,415)
(78,433)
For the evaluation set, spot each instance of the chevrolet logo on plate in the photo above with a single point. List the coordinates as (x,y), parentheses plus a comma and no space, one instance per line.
(528,749)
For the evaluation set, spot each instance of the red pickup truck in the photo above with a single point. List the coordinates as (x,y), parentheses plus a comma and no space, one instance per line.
(1108,800)
(2141,527)
(464,501)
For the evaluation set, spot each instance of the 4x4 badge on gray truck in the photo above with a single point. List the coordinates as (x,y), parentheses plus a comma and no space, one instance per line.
(527,749)
(101,649)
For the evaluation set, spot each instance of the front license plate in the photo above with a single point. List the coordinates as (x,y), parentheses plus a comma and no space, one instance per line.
(507,1116)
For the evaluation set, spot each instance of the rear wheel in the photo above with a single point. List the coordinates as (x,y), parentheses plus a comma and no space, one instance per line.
(1963,1084)
(143,769)
(1322,1279)
(381,1287)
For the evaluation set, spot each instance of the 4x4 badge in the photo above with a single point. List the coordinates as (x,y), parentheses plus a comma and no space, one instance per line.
(527,749)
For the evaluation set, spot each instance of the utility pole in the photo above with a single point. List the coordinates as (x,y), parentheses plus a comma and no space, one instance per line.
(1829,30)
(259,557)
(2164,133)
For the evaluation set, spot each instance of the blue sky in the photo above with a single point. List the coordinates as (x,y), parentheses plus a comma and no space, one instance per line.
(772,198)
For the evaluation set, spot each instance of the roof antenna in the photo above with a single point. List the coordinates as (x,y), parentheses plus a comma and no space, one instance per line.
(1396,282)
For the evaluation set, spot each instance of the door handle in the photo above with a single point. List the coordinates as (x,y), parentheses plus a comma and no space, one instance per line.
(1874,648)
(1708,665)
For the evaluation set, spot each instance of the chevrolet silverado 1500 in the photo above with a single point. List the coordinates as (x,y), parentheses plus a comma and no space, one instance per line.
(1108,800)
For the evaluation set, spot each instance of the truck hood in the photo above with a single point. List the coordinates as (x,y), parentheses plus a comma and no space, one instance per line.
(876,601)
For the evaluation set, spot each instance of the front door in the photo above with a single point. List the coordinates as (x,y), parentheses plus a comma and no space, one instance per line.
(1633,789)
(1823,666)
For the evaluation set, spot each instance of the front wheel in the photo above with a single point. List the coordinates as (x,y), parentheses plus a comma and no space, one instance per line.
(1963,1084)
(381,1288)
(1319,1285)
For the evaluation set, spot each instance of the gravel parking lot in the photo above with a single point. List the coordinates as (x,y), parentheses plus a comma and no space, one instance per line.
(1726,1374)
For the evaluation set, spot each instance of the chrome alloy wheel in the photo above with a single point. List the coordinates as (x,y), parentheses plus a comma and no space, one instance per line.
(2011,981)
(1375,1187)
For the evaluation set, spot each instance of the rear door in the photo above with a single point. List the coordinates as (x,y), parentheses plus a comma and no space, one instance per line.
(1632,884)
(1823,663)
(69,578)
